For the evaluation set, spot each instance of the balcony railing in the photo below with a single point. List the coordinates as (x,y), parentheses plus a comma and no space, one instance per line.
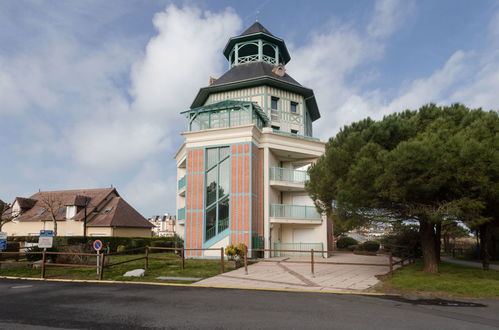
(288,174)
(294,211)
(181,214)
(181,183)
(297,135)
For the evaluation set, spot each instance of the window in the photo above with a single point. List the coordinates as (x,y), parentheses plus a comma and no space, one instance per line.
(293,131)
(217,191)
(274,103)
(294,107)
(276,128)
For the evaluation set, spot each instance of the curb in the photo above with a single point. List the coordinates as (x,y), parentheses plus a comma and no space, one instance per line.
(360,293)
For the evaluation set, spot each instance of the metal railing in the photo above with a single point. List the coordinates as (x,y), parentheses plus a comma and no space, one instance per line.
(297,135)
(223,224)
(288,174)
(210,232)
(181,183)
(299,247)
(181,214)
(294,211)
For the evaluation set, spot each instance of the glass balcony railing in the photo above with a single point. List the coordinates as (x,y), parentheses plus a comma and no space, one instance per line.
(297,135)
(288,174)
(181,214)
(294,211)
(181,183)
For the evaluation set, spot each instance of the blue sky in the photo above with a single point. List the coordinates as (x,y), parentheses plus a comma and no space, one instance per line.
(91,91)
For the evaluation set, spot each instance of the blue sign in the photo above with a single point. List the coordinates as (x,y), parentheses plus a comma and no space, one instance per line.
(46,233)
(97,245)
(3,241)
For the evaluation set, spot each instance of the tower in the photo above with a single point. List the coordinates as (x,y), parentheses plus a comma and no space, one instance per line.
(242,167)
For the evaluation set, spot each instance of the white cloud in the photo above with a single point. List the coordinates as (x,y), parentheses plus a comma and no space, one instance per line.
(388,16)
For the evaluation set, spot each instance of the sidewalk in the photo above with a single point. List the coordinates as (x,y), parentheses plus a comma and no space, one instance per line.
(287,275)
(468,263)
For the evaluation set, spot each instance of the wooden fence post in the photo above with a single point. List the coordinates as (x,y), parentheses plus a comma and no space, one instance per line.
(312,262)
(102,263)
(222,260)
(246,260)
(43,263)
(390,256)
(146,260)
(183,257)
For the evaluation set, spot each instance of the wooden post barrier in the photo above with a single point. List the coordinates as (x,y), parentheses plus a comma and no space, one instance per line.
(312,261)
(222,260)
(146,260)
(102,266)
(183,258)
(43,263)
(246,260)
(390,256)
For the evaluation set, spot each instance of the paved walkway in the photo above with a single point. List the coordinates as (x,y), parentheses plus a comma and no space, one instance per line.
(283,274)
(469,263)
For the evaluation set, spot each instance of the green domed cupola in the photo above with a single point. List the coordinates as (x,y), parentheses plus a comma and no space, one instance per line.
(256,44)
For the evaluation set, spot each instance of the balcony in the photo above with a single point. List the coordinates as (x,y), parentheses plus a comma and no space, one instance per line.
(181,215)
(181,186)
(287,179)
(294,134)
(288,213)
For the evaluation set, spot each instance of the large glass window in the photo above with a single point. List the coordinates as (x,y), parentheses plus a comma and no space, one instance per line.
(217,190)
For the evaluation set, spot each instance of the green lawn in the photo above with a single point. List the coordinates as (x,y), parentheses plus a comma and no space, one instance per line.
(193,268)
(453,281)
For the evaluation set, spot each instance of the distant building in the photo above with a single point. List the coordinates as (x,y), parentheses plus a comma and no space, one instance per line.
(106,213)
(164,225)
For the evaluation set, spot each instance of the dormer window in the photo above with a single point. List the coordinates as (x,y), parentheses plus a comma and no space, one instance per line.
(70,211)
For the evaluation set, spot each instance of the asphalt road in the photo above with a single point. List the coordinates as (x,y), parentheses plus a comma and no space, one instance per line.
(44,305)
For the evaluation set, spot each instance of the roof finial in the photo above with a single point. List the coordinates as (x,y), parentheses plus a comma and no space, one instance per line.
(257,14)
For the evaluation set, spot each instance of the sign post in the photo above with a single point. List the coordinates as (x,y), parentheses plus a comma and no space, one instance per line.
(97,247)
(3,240)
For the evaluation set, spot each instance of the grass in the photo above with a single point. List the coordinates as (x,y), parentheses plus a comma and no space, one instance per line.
(193,268)
(453,280)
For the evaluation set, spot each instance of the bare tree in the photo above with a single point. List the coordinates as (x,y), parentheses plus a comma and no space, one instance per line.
(5,216)
(52,205)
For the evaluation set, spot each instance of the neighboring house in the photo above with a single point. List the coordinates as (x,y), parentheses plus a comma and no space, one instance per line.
(242,167)
(164,225)
(106,213)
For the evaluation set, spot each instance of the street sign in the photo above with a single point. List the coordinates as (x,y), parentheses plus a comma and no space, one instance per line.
(97,245)
(3,240)
(46,239)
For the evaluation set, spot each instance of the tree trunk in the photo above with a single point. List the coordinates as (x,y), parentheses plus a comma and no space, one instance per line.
(484,245)
(55,227)
(428,246)
(438,240)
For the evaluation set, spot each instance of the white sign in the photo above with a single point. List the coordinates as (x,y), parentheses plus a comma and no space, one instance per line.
(46,239)
(45,242)
(3,235)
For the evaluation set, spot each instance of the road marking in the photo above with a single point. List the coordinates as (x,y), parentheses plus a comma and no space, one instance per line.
(21,286)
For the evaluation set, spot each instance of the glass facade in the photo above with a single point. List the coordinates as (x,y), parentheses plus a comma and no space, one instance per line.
(225,118)
(217,191)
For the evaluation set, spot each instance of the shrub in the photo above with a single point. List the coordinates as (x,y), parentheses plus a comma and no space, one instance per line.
(35,257)
(345,241)
(121,248)
(402,239)
(233,251)
(371,246)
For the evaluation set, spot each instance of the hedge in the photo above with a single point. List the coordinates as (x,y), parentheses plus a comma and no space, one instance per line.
(345,241)
(112,241)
